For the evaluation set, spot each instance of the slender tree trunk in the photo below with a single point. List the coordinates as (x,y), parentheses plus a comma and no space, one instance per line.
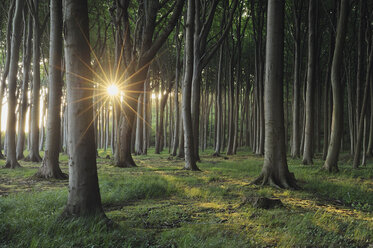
(176,99)
(190,160)
(26,78)
(11,160)
(35,103)
(84,195)
(218,142)
(363,112)
(50,166)
(311,74)
(331,163)
(295,145)
(7,64)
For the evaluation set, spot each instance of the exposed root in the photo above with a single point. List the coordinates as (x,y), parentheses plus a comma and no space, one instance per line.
(283,183)
(12,165)
(33,157)
(45,173)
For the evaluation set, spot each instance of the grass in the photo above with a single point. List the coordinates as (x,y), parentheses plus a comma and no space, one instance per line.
(158,204)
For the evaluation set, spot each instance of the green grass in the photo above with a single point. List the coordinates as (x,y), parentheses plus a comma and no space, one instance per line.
(158,204)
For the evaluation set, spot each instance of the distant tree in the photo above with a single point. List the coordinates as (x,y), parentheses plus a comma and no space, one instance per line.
(310,91)
(34,155)
(27,44)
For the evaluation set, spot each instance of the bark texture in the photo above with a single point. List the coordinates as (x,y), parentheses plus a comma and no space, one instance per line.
(84,196)
(275,169)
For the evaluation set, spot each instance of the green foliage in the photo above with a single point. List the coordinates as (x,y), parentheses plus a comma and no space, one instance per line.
(158,204)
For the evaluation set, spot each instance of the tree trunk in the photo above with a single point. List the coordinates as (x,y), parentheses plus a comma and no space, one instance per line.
(275,169)
(26,78)
(50,166)
(295,145)
(11,160)
(190,160)
(176,99)
(311,74)
(218,136)
(35,103)
(7,64)
(363,112)
(331,163)
(84,195)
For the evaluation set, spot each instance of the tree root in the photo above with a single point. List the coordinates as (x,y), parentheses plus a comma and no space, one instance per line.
(33,158)
(12,165)
(282,183)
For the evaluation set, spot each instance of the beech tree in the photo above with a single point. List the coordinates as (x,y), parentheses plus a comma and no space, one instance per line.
(11,160)
(50,166)
(310,91)
(331,162)
(275,169)
(84,194)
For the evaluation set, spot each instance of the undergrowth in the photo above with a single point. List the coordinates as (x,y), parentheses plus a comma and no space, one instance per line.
(158,204)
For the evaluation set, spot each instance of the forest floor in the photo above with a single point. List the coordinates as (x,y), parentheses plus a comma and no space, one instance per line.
(158,204)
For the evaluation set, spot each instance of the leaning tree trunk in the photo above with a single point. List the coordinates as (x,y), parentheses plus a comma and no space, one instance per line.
(190,160)
(275,169)
(311,73)
(34,155)
(11,160)
(50,167)
(25,83)
(331,162)
(84,194)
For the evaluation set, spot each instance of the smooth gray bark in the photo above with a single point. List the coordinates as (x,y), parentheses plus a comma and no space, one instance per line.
(11,160)
(84,195)
(50,166)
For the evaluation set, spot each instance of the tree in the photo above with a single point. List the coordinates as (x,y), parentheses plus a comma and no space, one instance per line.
(84,195)
(275,169)
(11,160)
(331,162)
(34,155)
(7,60)
(50,166)
(297,12)
(142,52)
(190,159)
(27,43)
(311,76)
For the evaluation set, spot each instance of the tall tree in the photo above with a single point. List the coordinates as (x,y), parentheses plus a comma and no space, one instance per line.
(11,160)
(331,162)
(84,195)
(275,169)
(310,91)
(297,13)
(27,43)
(7,60)
(34,155)
(190,159)
(50,166)
(140,54)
